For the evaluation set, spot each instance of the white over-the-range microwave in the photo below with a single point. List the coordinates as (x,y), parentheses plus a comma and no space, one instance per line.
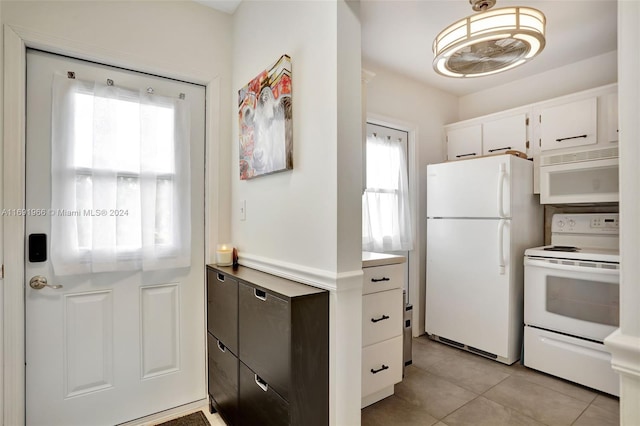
(584,176)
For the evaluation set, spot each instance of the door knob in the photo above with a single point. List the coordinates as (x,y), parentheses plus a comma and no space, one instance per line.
(39,282)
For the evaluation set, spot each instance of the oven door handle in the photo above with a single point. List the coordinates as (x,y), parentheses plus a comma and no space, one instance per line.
(570,268)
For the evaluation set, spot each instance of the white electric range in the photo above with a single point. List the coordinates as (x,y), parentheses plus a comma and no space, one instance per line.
(571,300)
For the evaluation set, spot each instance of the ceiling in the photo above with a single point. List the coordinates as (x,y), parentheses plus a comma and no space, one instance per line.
(398,34)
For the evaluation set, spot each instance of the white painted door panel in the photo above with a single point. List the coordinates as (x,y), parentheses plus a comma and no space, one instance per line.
(569,125)
(465,142)
(467,295)
(502,134)
(472,188)
(107,348)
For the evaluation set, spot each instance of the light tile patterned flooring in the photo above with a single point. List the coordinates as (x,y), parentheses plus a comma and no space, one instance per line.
(446,386)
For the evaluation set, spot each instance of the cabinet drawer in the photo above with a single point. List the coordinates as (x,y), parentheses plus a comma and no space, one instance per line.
(222,308)
(259,403)
(381,365)
(265,333)
(223,379)
(381,278)
(382,316)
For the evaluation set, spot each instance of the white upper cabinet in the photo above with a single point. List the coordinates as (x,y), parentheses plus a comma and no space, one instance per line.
(505,134)
(568,125)
(464,142)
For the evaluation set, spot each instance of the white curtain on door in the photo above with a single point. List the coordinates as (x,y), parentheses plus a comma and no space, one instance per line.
(386,218)
(120,179)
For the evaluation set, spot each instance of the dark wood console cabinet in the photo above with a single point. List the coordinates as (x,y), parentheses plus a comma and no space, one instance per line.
(268,346)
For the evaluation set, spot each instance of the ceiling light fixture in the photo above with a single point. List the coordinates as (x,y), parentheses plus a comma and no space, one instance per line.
(489,42)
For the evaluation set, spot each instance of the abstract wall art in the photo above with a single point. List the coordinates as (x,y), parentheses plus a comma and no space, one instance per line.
(264,111)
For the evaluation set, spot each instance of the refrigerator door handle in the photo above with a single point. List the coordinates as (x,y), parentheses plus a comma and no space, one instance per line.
(502,175)
(501,263)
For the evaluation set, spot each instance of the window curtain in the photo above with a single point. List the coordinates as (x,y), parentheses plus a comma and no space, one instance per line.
(386,219)
(120,190)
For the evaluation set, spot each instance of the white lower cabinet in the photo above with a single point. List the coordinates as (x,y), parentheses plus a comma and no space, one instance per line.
(382,327)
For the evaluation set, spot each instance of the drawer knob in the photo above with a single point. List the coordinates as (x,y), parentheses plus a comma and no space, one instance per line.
(220,277)
(383,317)
(261,383)
(384,367)
(222,347)
(377,280)
(260,294)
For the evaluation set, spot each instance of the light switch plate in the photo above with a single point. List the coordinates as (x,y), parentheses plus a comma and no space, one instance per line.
(243,210)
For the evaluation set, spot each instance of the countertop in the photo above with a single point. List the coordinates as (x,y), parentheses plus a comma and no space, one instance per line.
(370,259)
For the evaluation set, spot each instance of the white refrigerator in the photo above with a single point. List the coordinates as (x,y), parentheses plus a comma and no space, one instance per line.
(481,216)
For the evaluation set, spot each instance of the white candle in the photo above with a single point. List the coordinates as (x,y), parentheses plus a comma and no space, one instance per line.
(224,255)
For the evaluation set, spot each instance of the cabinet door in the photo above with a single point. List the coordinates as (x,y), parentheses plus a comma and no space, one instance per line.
(568,125)
(465,142)
(505,134)
(259,403)
(265,336)
(223,379)
(222,308)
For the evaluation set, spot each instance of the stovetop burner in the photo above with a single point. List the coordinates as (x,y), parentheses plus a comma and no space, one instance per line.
(569,249)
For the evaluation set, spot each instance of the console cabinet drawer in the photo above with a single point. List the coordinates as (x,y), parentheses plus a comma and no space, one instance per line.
(260,404)
(223,379)
(381,278)
(222,308)
(382,316)
(264,330)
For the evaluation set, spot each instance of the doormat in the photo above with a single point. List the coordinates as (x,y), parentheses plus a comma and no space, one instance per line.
(194,419)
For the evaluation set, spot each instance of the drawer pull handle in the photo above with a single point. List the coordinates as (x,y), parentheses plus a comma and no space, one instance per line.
(383,317)
(222,347)
(466,155)
(377,280)
(384,367)
(260,294)
(499,149)
(220,277)
(572,137)
(263,385)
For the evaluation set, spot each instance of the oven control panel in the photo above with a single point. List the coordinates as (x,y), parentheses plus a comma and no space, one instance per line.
(586,223)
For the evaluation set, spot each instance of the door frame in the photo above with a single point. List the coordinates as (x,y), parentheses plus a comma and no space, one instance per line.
(16,42)
(416,295)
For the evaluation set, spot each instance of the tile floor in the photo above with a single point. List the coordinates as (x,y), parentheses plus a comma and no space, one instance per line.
(446,386)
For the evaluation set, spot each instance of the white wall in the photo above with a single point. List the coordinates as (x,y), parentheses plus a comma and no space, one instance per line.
(397,100)
(625,343)
(305,223)
(173,38)
(589,73)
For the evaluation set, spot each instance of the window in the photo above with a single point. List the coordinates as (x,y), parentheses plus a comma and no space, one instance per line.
(120,179)
(386,218)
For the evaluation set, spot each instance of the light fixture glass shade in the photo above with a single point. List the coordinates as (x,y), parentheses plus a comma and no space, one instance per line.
(489,42)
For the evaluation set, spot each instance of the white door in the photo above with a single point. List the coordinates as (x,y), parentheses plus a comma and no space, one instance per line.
(468,296)
(108,347)
(471,188)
